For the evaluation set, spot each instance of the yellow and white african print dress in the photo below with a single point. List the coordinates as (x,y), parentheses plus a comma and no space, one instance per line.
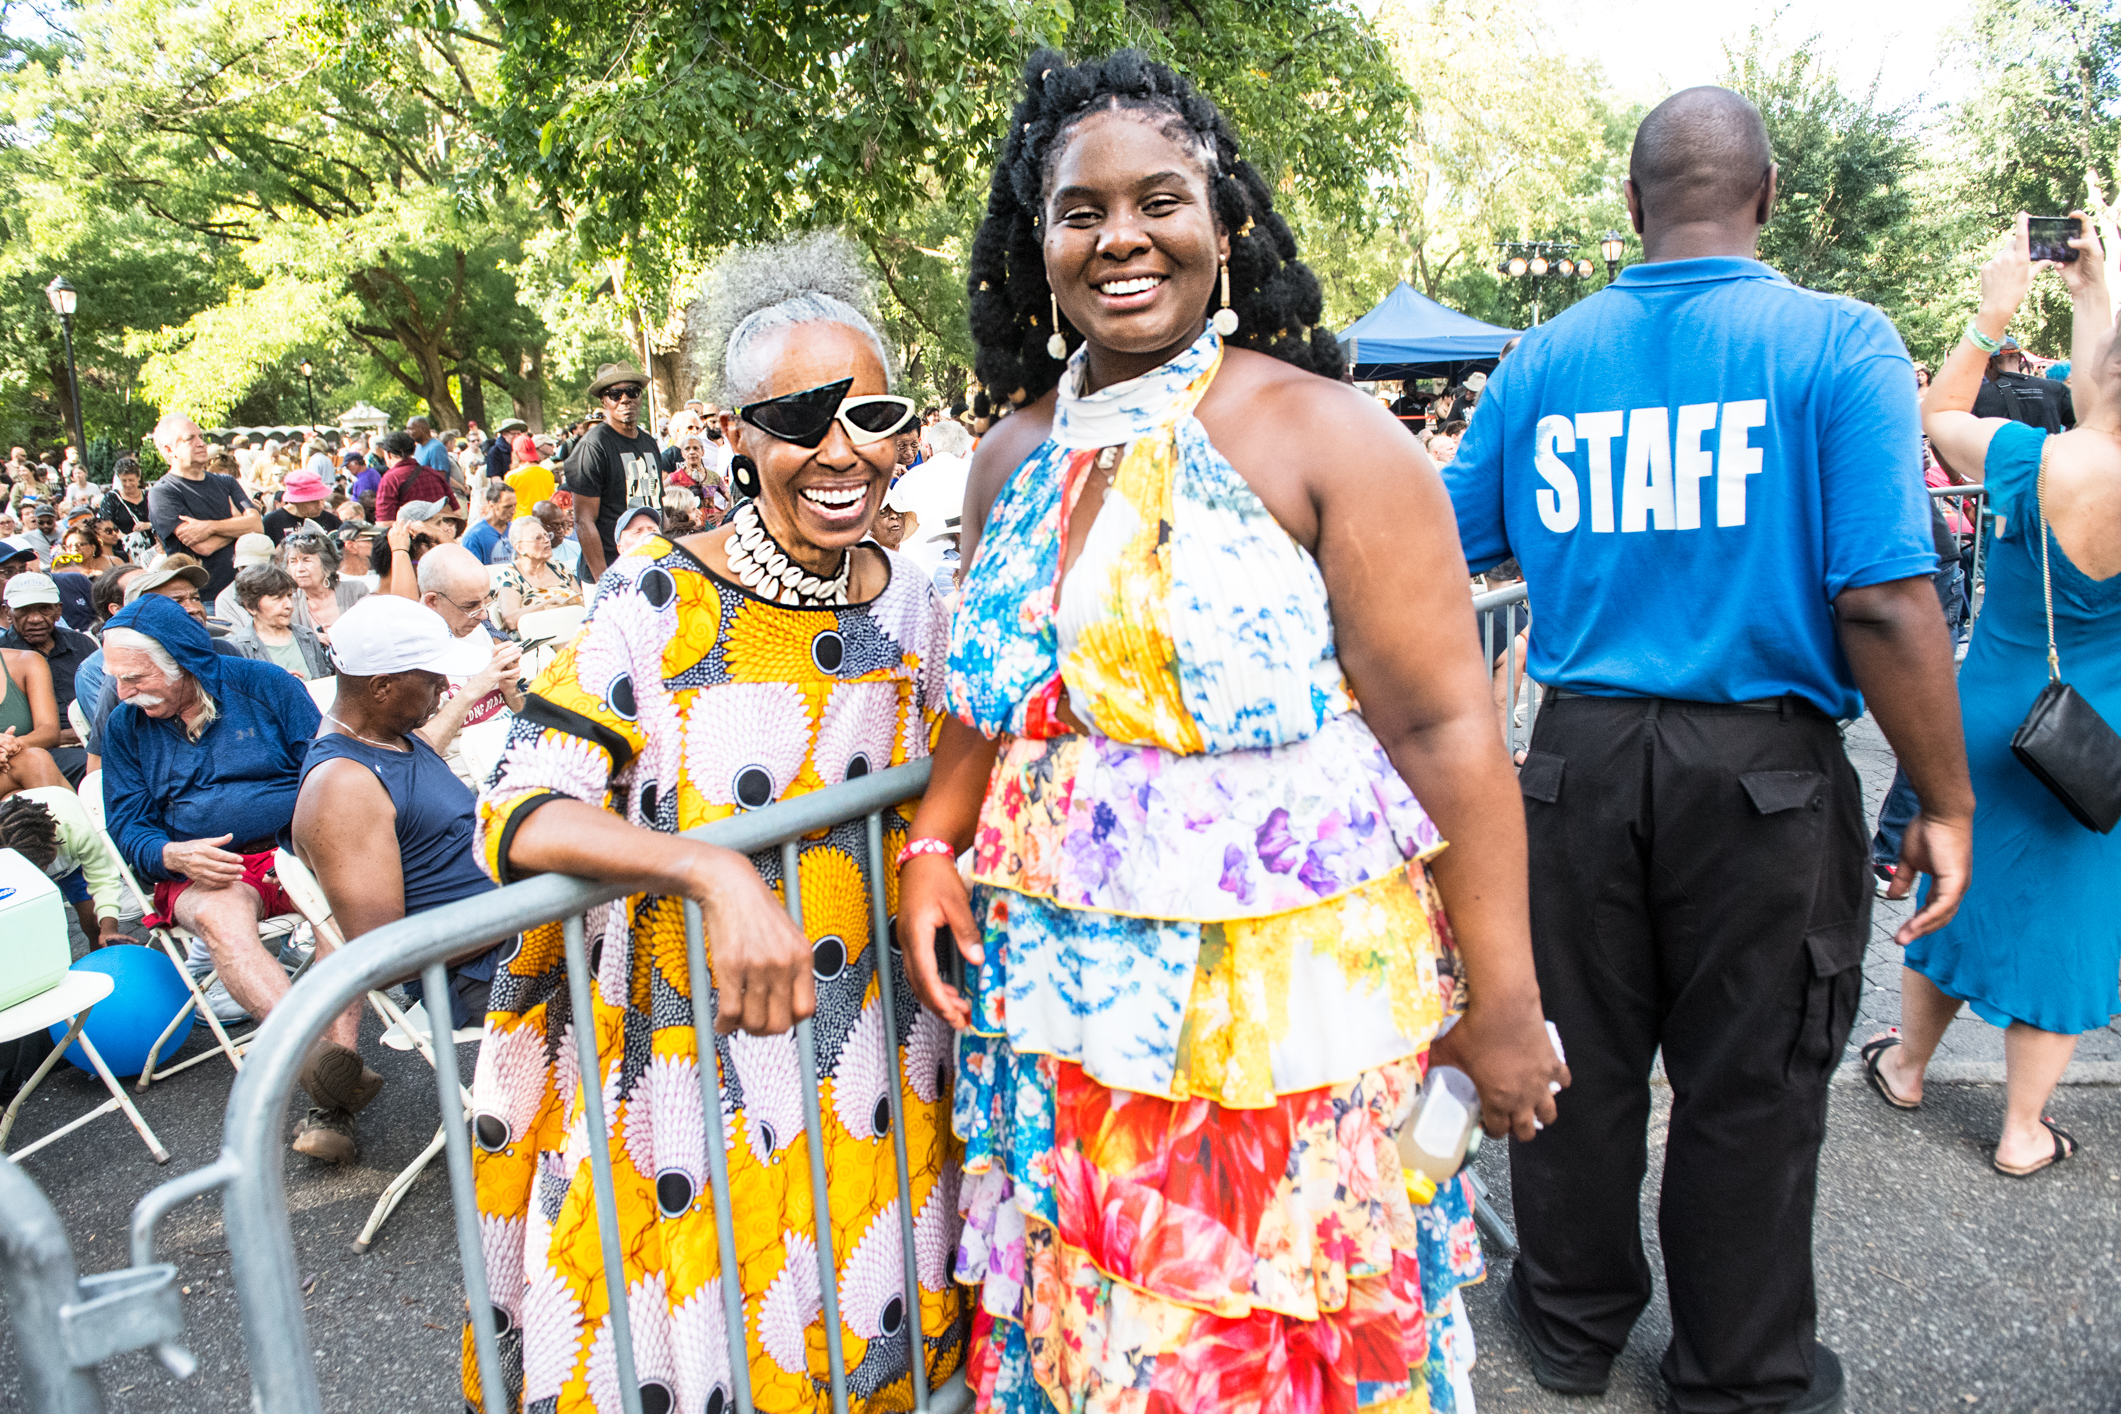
(686,699)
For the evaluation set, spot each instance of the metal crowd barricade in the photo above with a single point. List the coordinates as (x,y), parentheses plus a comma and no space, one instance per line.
(1503,614)
(1973,504)
(45,1298)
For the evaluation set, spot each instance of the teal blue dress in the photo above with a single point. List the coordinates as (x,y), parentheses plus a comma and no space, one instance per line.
(2038,938)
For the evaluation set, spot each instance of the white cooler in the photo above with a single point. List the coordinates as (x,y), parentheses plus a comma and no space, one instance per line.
(34,952)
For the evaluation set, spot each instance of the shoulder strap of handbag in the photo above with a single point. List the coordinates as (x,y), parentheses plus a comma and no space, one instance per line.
(2047,581)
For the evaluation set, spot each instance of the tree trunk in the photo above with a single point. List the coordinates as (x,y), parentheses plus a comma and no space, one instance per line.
(442,408)
(529,391)
(474,392)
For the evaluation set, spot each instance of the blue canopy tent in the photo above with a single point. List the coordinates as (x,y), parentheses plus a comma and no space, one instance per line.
(1410,335)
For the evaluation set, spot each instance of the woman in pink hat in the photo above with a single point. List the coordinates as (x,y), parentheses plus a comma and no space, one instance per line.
(304,497)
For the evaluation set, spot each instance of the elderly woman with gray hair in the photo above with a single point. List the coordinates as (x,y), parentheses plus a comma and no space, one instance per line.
(719,672)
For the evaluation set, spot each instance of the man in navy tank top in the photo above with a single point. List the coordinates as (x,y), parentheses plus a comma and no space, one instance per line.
(1713,481)
(381,820)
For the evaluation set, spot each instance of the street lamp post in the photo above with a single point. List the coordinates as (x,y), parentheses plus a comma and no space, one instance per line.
(1612,246)
(309,382)
(64,298)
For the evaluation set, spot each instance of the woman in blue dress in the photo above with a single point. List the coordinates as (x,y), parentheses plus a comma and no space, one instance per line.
(2036,945)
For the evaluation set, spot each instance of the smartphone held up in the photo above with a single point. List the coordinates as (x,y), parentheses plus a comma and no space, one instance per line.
(2048,238)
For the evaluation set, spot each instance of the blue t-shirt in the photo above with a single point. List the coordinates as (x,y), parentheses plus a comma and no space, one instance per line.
(433,455)
(1690,466)
(480,540)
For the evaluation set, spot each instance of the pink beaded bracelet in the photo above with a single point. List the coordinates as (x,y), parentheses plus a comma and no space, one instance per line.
(925,846)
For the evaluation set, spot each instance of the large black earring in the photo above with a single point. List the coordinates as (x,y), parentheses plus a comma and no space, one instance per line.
(744,475)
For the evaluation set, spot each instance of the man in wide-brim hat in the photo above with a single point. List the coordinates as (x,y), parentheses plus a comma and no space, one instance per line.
(615,465)
(612,374)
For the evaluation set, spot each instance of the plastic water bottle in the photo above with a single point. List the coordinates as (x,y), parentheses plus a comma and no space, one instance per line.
(1444,1129)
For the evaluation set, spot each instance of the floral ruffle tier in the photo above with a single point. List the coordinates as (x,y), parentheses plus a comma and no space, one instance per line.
(1179,1089)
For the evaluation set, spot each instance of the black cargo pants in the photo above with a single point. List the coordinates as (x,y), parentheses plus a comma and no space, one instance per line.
(1700,883)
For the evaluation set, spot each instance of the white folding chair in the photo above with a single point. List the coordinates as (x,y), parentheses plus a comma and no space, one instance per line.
(181,953)
(70,1001)
(558,626)
(308,894)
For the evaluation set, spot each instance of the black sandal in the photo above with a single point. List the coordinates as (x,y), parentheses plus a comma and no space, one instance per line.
(2065,1145)
(1872,1051)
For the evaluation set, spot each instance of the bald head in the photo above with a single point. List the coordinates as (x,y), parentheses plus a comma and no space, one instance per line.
(1700,157)
(452,570)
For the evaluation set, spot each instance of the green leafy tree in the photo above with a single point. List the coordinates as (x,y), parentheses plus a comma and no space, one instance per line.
(2038,133)
(1513,139)
(342,209)
(1846,164)
(661,136)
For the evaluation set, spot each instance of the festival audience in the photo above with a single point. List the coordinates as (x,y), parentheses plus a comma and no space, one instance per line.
(314,562)
(37,629)
(381,821)
(531,479)
(306,499)
(255,548)
(531,580)
(29,709)
(484,681)
(408,481)
(49,826)
(196,510)
(497,511)
(267,595)
(202,761)
(613,467)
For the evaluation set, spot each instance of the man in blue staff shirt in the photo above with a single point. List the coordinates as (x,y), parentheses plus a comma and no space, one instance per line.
(1713,480)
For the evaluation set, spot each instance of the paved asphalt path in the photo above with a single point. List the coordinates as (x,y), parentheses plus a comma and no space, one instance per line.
(1944,1286)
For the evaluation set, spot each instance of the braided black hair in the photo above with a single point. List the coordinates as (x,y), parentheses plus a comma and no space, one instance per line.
(28,829)
(1276,296)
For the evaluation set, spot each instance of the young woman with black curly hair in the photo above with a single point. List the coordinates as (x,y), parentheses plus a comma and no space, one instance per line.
(1216,710)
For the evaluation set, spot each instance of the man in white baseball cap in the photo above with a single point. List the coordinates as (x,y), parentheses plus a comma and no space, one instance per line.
(379,818)
(395,635)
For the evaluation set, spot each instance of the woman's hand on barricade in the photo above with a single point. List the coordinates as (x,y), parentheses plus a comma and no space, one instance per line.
(932,902)
(1506,1053)
(761,958)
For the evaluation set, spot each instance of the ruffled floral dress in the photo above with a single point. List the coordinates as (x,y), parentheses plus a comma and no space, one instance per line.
(1214,959)
(685,700)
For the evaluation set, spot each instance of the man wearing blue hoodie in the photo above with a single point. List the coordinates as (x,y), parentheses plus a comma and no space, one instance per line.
(202,760)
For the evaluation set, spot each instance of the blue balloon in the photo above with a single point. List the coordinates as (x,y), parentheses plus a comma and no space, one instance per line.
(149,991)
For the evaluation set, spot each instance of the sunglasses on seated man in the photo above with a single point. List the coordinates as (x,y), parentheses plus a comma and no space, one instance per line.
(624,392)
(806,417)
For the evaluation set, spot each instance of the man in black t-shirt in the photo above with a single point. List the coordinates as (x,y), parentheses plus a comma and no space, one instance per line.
(2009,391)
(196,511)
(614,466)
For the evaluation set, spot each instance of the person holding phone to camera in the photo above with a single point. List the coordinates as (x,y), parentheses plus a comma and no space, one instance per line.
(2036,945)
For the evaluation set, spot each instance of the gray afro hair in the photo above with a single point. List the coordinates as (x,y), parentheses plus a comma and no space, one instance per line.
(756,292)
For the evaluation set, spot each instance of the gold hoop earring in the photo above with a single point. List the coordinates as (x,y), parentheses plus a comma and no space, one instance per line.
(1056,346)
(1225,320)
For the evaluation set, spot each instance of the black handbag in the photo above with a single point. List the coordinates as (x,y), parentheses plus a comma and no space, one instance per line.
(2063,740)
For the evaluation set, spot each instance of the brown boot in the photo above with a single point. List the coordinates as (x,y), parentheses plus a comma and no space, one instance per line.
(337,1080)
(326,1135)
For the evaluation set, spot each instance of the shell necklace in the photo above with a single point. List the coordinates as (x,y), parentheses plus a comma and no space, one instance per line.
(763,567)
